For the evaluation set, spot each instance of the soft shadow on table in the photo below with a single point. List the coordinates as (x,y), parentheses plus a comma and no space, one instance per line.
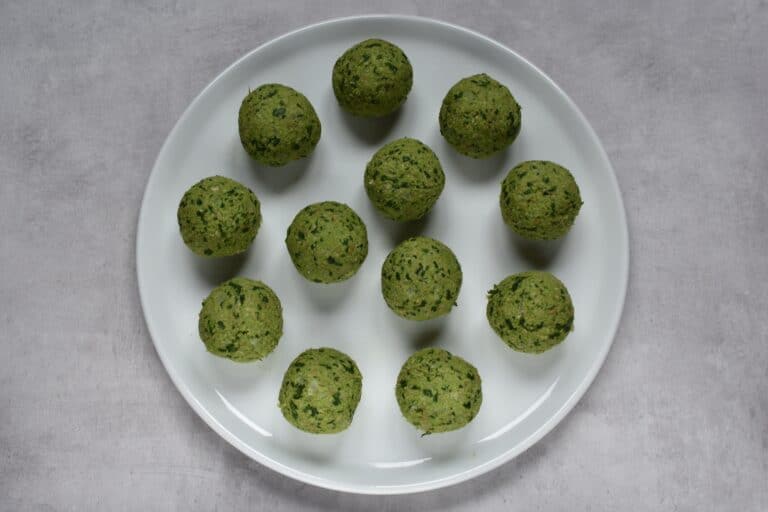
(279,179)
(329,297)
(319,449)
(428,337)
(397,231)
(474,169)
(323,297)
(530,366)
(539,254)
(420,334)
(217,270)
(286,490)
(369,130)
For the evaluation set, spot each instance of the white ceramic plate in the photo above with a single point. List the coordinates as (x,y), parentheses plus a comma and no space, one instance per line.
(524,396)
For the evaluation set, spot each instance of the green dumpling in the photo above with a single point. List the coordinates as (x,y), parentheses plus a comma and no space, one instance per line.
(372,79)
(404,179)
(479,116)
(241,320)
(277,125)
(327,242)
(421,279)
(437,391)
(320,391)
(531,311)
(218,216)
(539,200)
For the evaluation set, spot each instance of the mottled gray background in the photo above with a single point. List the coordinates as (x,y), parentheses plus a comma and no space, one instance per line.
(677,418)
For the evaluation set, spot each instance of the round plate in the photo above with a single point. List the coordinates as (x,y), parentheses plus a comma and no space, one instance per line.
(524,396)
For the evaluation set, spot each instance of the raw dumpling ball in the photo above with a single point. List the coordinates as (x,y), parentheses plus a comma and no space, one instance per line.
(479,116)
(437,391)
(277,125)
(404,179)
(372,79)
(218,217)
(531,311)
(327,242)
(241,320)
(421,279)
(320,391)
(539,200)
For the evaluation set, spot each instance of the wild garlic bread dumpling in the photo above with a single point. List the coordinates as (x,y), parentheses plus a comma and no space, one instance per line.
(241,320)
(320,391)
(218,216)
(421,279)
(372,78)
(438,391)
(277,125)
(479,116)
(404,179)
(530,311)
(327,242)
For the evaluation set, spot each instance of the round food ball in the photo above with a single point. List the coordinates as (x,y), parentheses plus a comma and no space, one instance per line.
(327,242)
(404,179)
(531,311)
(241,320)
(372,79)
(421,279)
(479,116)
(277,125)
(539,200)
(218,217)
(320,391)
(437,391)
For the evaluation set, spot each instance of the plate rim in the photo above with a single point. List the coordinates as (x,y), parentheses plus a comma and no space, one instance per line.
(503,457)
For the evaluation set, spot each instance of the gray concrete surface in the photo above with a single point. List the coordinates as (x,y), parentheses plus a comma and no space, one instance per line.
(676,420)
